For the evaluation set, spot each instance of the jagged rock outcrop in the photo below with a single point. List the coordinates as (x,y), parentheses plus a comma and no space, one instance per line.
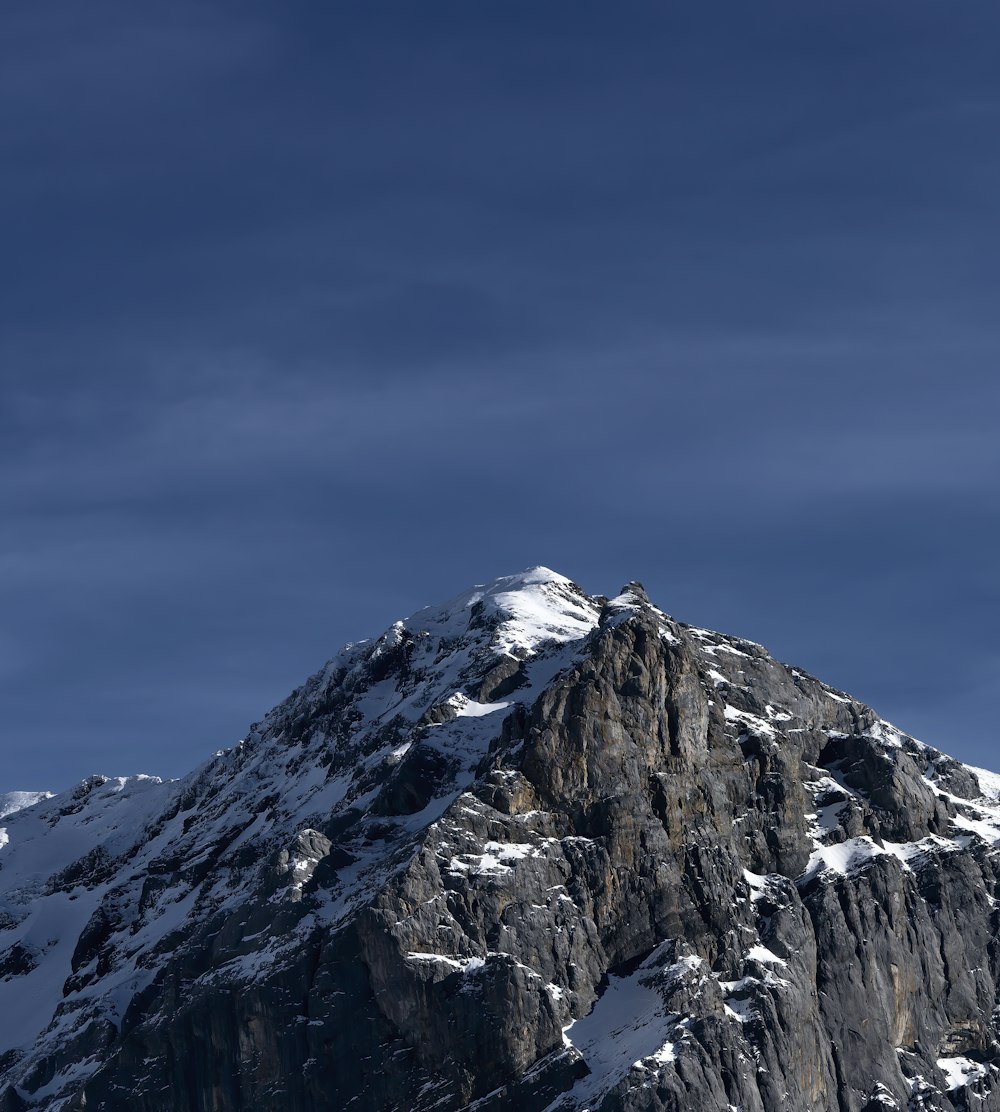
(528,850)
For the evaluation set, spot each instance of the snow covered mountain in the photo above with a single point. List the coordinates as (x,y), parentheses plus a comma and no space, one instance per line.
(528,849)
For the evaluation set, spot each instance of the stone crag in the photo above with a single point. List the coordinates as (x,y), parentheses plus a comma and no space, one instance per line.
(529,850)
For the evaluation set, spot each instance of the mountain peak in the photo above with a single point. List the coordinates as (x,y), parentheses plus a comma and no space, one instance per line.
(632,858)
(528,609)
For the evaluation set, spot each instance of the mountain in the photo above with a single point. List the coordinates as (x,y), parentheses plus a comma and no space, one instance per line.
(528,850)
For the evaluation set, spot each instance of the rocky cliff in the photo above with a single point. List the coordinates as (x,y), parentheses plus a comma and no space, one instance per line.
(529,850)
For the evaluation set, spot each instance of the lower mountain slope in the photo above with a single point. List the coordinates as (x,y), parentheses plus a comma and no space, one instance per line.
(527,850)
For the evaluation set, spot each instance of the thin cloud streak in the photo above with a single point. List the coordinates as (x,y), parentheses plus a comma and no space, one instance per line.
(314,316)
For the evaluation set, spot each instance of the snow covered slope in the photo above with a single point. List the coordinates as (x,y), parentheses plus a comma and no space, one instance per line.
(528,848)
(96,884)
(17,801)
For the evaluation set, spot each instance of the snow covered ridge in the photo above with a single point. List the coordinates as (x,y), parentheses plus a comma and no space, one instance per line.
(110,890)
(18,801)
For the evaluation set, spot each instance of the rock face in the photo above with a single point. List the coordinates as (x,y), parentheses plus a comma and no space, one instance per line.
(529,850)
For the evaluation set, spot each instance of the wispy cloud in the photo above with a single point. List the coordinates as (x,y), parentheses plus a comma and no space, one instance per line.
(310,316)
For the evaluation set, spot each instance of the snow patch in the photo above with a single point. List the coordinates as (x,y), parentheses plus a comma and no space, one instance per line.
(763,954)
(469,708)
(989,783)
(961,1071)
(753,721)
(843,857)
(758,884)
(463,965)
(629,1027)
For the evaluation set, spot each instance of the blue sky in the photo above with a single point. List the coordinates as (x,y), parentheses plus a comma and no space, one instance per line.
(314,314)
